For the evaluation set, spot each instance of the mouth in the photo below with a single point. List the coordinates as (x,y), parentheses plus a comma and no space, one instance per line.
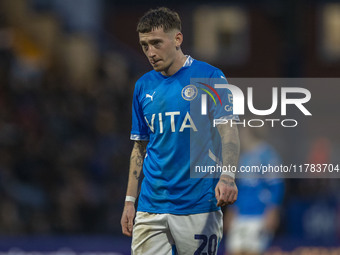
(153,62)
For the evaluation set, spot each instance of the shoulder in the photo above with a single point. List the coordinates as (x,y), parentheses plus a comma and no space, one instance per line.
(146,80)
(151,75)
(205,67)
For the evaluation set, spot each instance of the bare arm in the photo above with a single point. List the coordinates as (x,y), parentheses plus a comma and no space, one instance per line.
(226,190)
(136,165)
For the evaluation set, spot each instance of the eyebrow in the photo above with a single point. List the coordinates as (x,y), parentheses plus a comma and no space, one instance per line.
(150,41)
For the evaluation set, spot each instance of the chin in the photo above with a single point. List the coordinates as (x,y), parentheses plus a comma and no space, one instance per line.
(158,68)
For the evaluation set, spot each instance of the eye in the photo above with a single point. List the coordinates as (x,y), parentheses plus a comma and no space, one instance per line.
(156,43)
(145,47)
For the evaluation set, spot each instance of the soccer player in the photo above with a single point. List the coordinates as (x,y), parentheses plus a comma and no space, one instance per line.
(253,219)
(176,214)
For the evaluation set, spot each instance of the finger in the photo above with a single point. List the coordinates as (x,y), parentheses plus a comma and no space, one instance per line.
(125,230)
(217,193)
(221,202)
(228,196)
(223,197)
(232,197)
(130,224)
(123,223)
(127,233)
(235,197)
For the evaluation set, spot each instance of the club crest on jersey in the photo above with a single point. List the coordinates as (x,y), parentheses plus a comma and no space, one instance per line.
(189,92)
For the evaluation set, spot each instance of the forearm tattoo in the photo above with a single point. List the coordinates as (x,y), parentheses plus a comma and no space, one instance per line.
(136,174)
(137,158)
(230,152)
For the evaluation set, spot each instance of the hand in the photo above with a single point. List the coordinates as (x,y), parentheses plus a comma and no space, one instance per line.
(128,216)
(226,191)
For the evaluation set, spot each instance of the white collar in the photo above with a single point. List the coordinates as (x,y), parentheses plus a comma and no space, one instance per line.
(189,61)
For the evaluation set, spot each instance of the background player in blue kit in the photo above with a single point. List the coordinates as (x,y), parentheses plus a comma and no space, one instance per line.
(176,213)
(253,219)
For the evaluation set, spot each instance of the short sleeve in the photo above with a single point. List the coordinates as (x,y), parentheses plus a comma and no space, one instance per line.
(224,107)
(139,131)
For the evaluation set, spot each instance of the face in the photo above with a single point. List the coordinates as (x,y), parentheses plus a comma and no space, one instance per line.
(160,48)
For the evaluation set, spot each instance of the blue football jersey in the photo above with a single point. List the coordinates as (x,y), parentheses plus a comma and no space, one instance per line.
(163,114)
(257,194)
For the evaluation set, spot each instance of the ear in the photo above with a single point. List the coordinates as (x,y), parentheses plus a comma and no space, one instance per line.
(178,39)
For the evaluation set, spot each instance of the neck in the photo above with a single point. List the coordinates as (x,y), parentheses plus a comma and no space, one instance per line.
(176,65)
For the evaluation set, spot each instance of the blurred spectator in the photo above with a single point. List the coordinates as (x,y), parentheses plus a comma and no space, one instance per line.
(252,221)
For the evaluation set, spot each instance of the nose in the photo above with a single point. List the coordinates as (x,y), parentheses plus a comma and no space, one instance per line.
(151,52)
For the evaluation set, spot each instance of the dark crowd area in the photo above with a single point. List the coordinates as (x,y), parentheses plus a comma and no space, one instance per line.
(64,128)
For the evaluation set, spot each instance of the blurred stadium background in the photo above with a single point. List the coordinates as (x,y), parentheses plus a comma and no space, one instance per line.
(67,73)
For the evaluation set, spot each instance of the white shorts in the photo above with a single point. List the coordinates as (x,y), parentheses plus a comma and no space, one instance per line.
(168,234)
(247,234)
